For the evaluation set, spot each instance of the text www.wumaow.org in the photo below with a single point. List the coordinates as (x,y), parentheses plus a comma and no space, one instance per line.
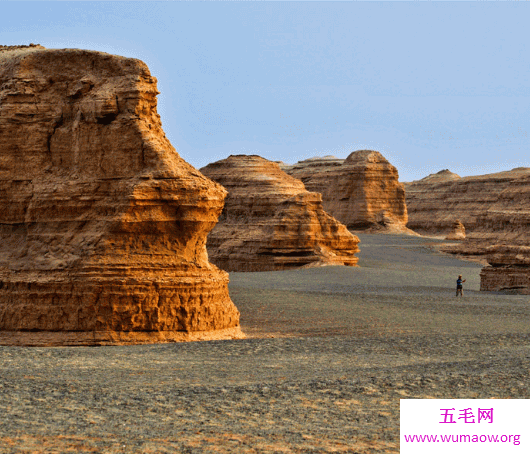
(463,438)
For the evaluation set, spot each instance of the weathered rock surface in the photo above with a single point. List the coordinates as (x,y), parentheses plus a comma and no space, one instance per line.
(102,225)
(509,268)
(495,211)
(458,231)
(271,222)
(443,176)
(484,204)
(361,191)
(505,234)
(429,210)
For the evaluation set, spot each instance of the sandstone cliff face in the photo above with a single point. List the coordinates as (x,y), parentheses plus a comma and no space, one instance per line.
(443,176)
(271,222)
(361,191)
(432,204)
(509,268)
(458,231)
(505,231)
(483,203)
(495,211)
(102,225)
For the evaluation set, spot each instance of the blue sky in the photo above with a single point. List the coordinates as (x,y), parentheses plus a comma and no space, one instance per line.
(431,85)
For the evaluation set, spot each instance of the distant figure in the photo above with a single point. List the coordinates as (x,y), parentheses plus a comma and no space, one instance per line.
(459,287)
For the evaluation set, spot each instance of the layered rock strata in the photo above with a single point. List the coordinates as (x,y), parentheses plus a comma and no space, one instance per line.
(102,225)
(271,222)
(433,204)
(361,191)
(484,204)
(505,234)
(495,211)
(458,231)
(509,269)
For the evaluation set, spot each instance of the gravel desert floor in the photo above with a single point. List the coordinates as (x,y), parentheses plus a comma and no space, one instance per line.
(329,354)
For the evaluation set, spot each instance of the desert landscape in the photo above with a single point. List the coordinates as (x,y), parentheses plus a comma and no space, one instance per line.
(329,352)
(250,306)
(488,213)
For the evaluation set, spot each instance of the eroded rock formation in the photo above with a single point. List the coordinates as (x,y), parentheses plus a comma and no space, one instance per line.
(361,191)
(505,234)
(485,204)
(271,222)
(495,211)
(509,269)
(458,231)
(433,206)
(102,225)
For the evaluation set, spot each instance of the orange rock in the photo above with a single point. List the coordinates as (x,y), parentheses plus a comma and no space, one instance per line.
(103,225)
(271,222)
(362,191)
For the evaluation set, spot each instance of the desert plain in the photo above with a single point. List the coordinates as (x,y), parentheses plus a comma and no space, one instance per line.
(329,353)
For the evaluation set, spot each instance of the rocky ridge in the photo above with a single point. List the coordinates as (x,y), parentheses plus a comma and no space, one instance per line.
(271,222)
(103,226)
(435,202)
(361,191)
(494,210)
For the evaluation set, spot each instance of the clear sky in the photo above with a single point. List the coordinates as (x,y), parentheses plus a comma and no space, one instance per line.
(431,85)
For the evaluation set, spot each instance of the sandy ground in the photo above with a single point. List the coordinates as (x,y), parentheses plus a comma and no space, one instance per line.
(329,354)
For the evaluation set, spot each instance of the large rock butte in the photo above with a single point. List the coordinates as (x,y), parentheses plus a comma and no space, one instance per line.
(495,212)
(271,222)
(361,191)
(102,225)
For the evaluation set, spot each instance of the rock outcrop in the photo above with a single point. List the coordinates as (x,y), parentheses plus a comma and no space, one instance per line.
(484,204)
(271,222)
(430,204)
(102,225)
(361,191)
(443,176)
(495,211)
(509,269)
(458,231)
(505,234)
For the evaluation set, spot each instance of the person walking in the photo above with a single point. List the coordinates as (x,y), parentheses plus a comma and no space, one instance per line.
(459,286)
